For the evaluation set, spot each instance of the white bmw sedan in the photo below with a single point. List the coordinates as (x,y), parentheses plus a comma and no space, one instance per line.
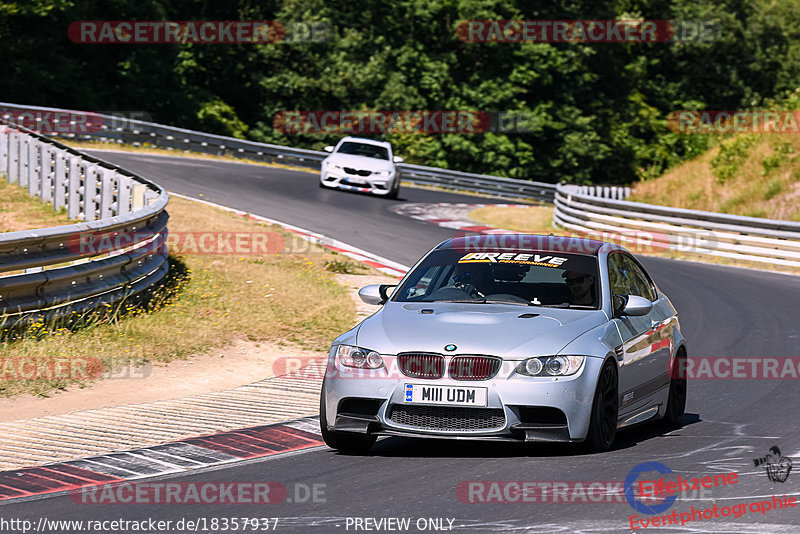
(364,165)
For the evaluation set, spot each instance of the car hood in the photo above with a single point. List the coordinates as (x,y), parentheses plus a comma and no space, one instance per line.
(494,329)
(360,162)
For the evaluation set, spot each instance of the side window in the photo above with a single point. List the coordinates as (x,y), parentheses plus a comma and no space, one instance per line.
(616,275)
(639,281)
(627,278)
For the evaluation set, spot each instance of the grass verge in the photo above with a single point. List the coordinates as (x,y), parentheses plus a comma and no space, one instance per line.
(755,175)
(21,211)
(277,297)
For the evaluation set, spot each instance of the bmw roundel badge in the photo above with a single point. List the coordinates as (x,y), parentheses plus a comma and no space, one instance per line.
(450,347)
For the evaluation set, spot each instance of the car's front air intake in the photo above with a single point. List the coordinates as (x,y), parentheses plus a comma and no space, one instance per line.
(421,365)
(448,418)
(473,367)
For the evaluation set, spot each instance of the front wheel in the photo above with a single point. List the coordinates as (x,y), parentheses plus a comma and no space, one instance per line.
(346,442)
(605,409)
(676,402)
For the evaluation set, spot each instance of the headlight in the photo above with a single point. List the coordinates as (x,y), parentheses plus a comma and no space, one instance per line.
(382,173)
(551,366)
(331,164)
(350,356)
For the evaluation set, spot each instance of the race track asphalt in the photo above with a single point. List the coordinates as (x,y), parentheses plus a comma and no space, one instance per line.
(724,311)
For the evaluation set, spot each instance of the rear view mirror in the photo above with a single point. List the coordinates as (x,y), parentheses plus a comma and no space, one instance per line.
(328,148)
(631,305)
(397,159)
(375,294)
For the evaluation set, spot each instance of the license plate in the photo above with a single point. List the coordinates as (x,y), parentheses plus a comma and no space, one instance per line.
(451,395)
(354,181)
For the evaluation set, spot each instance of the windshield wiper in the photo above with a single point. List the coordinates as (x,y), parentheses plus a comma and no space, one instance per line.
(514,302)
(484,301)
(461,301)
(568,305)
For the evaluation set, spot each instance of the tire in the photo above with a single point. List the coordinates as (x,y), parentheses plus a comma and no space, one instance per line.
(346,442)
(392,195)
(676,402)
(605,410)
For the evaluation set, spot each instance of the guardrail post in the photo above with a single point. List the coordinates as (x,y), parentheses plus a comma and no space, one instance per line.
(106,192)
(34,169)
(74,188)
(123,194)
(13,158)
(59,179)
(5,135)
(90,194)
(46,174)
(137,196)
(23,160)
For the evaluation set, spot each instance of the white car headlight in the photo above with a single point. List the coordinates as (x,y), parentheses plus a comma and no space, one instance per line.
(351,356)
(382,173)
(551,366)
(332,164)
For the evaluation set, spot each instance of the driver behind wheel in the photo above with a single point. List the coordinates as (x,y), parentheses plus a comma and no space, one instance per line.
(474,279)
(581,288)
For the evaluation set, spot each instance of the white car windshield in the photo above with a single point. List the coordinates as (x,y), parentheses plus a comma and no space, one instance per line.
(363,149)
(523,277)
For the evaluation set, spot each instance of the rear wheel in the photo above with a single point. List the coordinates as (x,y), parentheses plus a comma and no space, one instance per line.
(676,402)
(605,409)
(347,442)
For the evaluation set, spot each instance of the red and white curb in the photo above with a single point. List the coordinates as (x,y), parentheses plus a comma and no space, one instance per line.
(454,216)
(382,264)
(174,457)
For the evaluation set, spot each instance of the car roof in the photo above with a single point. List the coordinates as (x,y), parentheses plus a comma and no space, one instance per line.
(537,242)
(367,141)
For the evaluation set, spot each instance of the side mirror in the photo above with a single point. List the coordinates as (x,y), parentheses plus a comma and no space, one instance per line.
(632,305)
(375,294)
(397,159)
(328,148)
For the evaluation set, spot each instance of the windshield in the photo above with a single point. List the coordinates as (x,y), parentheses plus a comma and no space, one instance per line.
(504,276)
(363,149)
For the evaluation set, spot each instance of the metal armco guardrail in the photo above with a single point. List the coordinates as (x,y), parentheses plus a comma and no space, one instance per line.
(140,133)
(701,232)
(50,272)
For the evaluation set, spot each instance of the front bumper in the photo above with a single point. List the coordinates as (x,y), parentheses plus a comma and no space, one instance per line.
(377,185)
(518,408)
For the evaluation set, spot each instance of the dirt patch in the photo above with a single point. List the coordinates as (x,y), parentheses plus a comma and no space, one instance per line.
(242,362)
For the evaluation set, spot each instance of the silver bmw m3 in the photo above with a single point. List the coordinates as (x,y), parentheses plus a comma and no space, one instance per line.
(508,337)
